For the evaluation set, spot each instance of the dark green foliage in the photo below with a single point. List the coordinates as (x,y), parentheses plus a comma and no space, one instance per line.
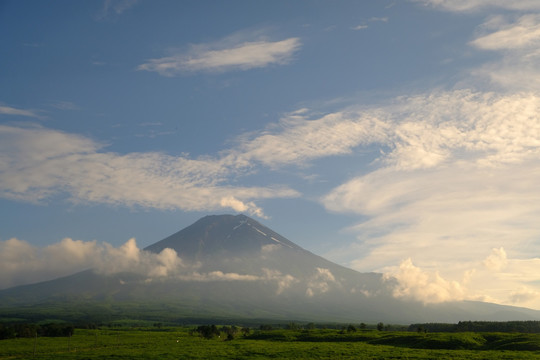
(380,326)
(293,326)
(22,330)
(179,343)
(208,331)
(481,326)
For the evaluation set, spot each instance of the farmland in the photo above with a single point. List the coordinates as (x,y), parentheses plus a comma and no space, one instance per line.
(186,343)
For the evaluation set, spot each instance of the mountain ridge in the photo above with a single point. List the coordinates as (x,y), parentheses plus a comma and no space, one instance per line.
(231,265)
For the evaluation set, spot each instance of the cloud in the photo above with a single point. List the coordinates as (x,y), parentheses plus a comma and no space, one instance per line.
(416,284)
(64,105)
(475,5)
(320,282)
(284,281)
(37,163)
(22,263)
(115,7)
(359,27)
(524,33)
(297,139)
(517,41)
(489,280)
(497,260)
(457,177)
(8,110)
(523,295)
(226,55)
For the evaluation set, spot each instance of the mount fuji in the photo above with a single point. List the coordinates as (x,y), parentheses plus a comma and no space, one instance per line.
(233,267)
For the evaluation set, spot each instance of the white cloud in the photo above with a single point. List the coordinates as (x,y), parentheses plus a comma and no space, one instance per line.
(474,5)
(320,282)
(524,295)
(359,27)
(37,163)
(417,284)
(115,7)
(495,279)
(524,33)
(497,260)
(217,276)
(283,281)
(298,139)
(8,110)
(22,263)
(457,178)
(517,41)
(64,105)
(225,56)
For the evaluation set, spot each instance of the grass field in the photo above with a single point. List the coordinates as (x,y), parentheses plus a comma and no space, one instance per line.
(180,343)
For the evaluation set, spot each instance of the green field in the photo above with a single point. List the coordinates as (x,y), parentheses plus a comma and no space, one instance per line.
(183,343)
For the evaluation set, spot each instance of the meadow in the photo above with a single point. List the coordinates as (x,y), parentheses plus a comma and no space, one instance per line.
(185,343)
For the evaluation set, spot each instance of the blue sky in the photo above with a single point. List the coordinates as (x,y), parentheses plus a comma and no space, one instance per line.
(394,136)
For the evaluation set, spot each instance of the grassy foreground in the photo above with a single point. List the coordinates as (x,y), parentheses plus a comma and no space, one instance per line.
(180,343)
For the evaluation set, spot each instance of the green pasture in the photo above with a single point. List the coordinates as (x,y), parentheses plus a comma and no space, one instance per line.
(182,343)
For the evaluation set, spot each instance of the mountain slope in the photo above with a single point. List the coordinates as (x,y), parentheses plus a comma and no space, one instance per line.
(233,266)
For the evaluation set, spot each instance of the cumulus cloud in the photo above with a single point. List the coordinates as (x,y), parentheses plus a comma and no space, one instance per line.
(417,284)
(495,279)
(497,260)
(320,282)
(22,263)
(229,54)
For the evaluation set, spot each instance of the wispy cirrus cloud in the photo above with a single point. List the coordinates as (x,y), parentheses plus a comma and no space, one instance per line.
(115,7)
(299,138)
(230,54)
(503,35)
(475,5)
(38,163)
(8,110)
(516,40)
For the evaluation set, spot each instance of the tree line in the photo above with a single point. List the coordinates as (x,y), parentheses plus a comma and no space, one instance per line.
(11,331)
(531,327)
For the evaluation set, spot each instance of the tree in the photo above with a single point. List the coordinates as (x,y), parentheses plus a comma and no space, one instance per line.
(351,328)
(380,326)
(208,331)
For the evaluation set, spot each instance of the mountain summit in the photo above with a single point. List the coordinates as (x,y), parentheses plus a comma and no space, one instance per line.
(216,234)
(235,267)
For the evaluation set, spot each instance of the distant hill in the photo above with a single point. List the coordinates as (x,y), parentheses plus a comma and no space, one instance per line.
(235,267)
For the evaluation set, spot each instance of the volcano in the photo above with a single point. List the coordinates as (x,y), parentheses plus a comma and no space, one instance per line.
(233,267)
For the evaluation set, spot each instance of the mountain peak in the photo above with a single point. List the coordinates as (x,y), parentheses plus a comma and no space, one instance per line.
(216,234)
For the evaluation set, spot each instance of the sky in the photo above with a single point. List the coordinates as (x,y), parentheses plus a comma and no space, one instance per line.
(400,137)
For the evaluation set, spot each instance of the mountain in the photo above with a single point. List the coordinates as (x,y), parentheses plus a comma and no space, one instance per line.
(234,267)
